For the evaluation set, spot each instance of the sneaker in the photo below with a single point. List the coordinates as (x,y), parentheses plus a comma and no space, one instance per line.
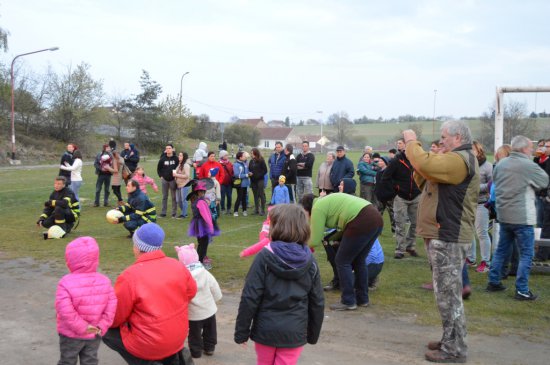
(366,304)
(466,292)
(412,252)
(162,215)
(483,267)
(428,286)
(470,263)
(331,286)
(245,213)
(495,287)
(434,345)
(180,217)
(398,255)
(207,263)
(209,352)
(525,296)
(443,357)
(343,307)
(236,214)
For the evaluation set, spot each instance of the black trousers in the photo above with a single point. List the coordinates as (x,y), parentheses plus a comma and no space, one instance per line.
(113,340)
(203,335)
(202,247)
(73,349)
(62,217)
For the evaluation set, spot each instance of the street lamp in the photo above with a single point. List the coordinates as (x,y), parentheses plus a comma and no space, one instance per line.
(181,88)
(12,98)
(320,112)
(433,116)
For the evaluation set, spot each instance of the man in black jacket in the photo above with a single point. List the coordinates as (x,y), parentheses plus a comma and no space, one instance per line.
(289,171)
(165,170)
(304,165)
(131,156)
(341,167)
(62,208)
(399,176)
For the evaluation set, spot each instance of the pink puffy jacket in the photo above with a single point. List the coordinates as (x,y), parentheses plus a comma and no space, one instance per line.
(84,297)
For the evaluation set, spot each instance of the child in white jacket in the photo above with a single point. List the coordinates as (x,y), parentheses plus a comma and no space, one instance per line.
(203,308)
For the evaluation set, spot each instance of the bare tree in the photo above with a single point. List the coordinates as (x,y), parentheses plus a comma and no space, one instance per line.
(74,97)
(516,123)
(342,126)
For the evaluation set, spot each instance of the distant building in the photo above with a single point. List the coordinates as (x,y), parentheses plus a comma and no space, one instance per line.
(268,137)
(276,124)
(254,123)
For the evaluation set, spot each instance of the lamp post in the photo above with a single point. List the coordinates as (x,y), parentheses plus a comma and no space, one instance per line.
(433,116)
(12,97)
(181,88)
(320,112)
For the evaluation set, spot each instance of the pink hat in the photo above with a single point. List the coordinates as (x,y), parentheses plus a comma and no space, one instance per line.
(187,254)
(200,185)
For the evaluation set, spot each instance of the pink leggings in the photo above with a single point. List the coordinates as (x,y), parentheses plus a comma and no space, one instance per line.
(268,355)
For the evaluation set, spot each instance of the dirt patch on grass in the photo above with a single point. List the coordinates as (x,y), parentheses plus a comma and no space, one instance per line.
(27,322)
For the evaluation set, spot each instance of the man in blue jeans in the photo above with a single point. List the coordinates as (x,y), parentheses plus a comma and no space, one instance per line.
(517,180)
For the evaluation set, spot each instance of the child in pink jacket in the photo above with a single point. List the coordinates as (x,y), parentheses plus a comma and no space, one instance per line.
(144,180)
(263,239)
(85,303)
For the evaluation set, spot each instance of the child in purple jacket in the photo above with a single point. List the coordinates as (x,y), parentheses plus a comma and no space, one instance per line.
(85,303)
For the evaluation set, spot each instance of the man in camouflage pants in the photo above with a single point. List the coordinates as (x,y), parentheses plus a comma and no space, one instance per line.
(446,216)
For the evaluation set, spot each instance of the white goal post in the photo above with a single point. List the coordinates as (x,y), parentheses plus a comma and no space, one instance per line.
(499,107)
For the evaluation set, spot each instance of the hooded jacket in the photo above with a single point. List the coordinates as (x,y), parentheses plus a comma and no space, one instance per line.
(282,302)
(84,297)
(166,166)
(131,157)
(400,176)
(153,296)
(203,305)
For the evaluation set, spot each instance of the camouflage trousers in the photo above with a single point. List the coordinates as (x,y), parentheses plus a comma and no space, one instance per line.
(447,259)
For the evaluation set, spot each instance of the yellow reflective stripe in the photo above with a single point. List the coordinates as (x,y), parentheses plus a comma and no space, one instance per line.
(53,203)
(43,215)
(146,219)
(150,210)
(59,221)
(139,212)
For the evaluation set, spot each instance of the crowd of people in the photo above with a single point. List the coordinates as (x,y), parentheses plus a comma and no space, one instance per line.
(450,196)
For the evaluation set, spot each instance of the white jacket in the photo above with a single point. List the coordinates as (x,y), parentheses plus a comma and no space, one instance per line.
(203,305)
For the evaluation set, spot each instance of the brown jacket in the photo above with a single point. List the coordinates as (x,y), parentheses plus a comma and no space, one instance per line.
(450,187)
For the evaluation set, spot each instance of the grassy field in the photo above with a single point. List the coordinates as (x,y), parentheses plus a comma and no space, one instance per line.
(23,191)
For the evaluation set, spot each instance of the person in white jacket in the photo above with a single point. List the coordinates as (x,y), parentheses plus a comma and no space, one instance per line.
(203,308)
(76,172)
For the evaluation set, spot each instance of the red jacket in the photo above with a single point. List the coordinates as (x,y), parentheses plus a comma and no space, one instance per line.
(205,169)
(227,168)
(153,295)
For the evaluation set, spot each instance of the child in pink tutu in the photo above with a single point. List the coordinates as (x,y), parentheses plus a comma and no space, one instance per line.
(202,225)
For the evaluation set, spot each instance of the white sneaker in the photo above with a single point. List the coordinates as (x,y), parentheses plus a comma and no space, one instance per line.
(245,213)
(236,214)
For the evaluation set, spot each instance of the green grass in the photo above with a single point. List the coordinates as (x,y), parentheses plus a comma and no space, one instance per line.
(22,193)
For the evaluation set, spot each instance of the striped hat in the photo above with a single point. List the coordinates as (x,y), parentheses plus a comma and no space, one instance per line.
(148,237)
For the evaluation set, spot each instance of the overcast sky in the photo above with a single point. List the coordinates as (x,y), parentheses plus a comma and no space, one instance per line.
(294,58)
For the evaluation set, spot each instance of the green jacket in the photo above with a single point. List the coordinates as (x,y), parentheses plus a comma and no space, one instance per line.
(333,211)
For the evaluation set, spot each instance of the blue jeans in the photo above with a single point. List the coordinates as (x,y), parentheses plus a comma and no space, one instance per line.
(75,187)
(524,236)
(103,180)
(181,195)
(352,271)
(227,195)
(539,205)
